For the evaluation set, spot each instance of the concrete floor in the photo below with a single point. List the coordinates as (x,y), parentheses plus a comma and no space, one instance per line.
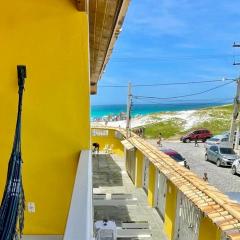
(109,176)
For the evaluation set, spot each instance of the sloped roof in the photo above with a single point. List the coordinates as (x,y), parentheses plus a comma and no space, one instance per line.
(105,21)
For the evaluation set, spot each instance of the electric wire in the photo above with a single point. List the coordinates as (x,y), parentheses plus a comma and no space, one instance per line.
(182,96)
(167,58)
(182,101)
(168,84)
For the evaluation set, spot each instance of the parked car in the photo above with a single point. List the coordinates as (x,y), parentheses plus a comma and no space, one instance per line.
(174,155)
(236,167)
(221,155)
(200,134)
(227,134)
(216,140)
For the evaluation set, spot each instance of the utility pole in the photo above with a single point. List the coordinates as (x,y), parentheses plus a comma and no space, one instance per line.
(234,130)
(129,106)
(235,115)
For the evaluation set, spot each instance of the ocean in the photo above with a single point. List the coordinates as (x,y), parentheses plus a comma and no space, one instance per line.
(98,111)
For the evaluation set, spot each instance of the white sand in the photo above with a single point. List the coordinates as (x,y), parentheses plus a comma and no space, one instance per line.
(189,117)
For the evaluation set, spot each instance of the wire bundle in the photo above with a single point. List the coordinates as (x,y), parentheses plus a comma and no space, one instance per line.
(13,202)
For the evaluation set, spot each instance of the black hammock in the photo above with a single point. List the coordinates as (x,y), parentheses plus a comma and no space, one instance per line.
(13,205)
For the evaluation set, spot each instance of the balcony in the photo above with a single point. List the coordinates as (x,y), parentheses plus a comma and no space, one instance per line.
(189,207)
(129,206)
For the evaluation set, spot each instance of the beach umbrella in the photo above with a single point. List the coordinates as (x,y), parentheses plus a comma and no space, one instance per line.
(13,204)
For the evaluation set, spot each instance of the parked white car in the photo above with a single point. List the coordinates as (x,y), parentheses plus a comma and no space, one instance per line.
(236,167)
(218,139)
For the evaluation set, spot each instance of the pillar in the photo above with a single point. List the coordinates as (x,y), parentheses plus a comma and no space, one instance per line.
(151,184)
(170,210)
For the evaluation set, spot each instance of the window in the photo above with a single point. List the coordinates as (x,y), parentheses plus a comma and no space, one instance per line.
(225,140)
(214,139)
(177,157)
(99,132)
(214,148)
(227,151)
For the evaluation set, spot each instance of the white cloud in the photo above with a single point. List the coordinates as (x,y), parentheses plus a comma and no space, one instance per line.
(157,20)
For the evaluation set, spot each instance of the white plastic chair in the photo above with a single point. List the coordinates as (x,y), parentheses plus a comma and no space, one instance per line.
(110,150)
(106,148)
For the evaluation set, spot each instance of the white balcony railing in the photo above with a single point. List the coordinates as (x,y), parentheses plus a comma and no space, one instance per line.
(80,218)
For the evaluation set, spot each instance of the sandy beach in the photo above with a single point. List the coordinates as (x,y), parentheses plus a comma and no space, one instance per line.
(189,117)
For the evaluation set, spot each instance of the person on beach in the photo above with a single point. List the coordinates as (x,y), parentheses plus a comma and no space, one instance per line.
(159,142)
(196,142)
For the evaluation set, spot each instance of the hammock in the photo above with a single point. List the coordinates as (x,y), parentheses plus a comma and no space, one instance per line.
(13,204)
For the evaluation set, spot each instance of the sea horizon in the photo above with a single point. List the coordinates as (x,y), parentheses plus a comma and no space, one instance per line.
(102,110)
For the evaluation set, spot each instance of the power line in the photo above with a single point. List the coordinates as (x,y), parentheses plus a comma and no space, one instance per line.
(167,84)
(181,83)
(182,96)
(171,101)
(166,57)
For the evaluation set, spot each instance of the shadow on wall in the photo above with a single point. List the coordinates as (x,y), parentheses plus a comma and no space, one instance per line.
(106,172)
(74,3)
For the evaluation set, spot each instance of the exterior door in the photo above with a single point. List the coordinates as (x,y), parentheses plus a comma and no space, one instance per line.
(145,174)
(187,219)
(161,190)
(130,163)
(212,153)
(215,153)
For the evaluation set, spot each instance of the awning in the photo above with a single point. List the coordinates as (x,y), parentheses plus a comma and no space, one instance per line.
(127,145)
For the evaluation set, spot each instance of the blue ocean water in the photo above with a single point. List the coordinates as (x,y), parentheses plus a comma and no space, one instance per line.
(98,111)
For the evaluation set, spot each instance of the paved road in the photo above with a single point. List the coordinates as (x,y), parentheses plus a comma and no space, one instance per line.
(220,177)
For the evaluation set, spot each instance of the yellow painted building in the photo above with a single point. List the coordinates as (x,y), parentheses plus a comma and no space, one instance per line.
(170,212)
(108,139)
(204,213)
(63,47)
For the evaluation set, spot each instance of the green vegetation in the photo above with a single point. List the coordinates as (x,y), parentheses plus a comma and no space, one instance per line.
(168,128)
(216,119)
(217,112)
(219,118)
(216,126)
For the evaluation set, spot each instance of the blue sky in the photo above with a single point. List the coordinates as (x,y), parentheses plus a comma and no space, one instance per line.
(164,41)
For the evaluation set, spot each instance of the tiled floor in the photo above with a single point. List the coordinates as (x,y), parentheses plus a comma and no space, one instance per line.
(109,176)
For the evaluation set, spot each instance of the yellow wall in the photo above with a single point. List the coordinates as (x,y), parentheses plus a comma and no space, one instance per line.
(151,184)
(170,210)
(110,140)
(139,169)
(51,39)
(208,230)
